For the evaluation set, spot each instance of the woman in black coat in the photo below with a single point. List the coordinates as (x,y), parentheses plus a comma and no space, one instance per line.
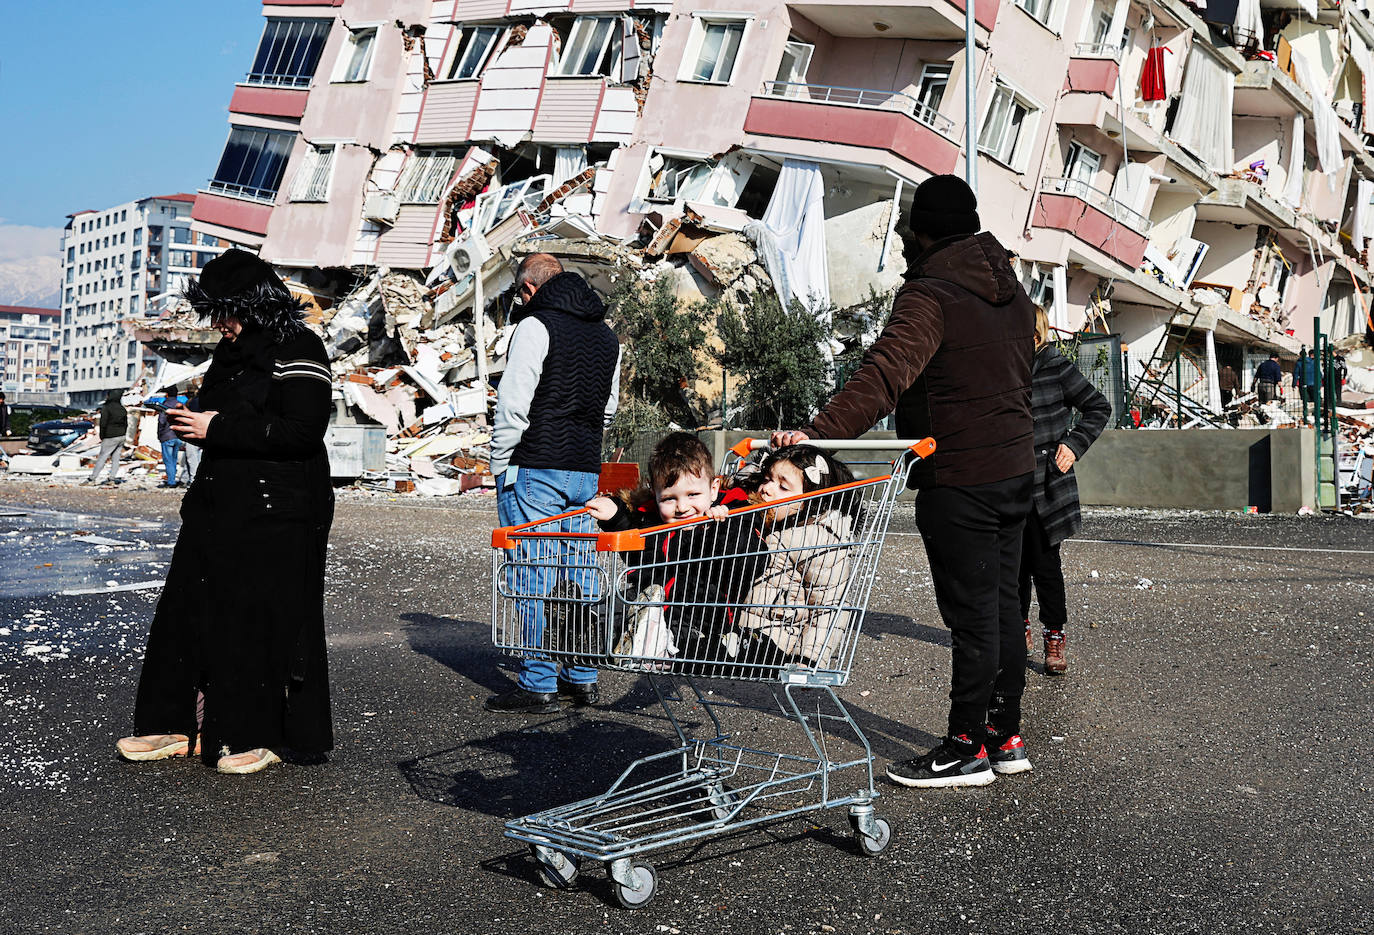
(236,653)
(1057,388)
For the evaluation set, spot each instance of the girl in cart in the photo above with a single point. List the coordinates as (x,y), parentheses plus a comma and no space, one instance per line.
(788,613)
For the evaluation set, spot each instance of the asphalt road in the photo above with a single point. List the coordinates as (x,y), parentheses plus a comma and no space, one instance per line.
(1205,766)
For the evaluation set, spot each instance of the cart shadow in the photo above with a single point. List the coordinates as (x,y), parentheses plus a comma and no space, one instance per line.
(878,625)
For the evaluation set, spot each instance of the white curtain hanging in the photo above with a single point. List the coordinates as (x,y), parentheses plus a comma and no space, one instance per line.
(1360,228)
(1213,385)
(791,237)
(1360,53)
(1248,20)
(568,161)
(1309,7)
(1203,123)
(1323,119)
(1293,187)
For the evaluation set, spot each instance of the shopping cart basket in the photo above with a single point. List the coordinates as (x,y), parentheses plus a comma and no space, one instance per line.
(565,592)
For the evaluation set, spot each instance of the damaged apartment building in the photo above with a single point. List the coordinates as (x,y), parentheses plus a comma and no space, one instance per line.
(1193,179)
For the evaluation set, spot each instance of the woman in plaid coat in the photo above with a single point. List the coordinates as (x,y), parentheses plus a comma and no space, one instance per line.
(1057,388)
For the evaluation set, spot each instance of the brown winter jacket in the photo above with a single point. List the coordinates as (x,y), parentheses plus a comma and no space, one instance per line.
(955,363)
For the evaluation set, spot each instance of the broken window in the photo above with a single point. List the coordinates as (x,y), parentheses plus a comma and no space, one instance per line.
(712,49)
(356,58)
(495,206)
(471,50)
(1008,126)
(425,176)
(931,91)
(251,167)
(312,177)
(685,179)
(593,47)
(289,52)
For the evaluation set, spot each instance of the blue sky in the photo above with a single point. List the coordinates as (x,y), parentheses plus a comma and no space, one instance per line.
(106,102)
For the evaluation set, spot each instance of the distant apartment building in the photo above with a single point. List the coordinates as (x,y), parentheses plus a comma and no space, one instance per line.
(1196,180)
(29,342)
(118,265)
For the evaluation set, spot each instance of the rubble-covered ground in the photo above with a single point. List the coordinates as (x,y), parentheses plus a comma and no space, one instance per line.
(1203,767)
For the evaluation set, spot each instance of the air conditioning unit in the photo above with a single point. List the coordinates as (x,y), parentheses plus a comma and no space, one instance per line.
(467,255)
(381,206)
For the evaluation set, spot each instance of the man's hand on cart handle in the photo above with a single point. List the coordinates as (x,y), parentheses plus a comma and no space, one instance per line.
(793,437)
(602,508)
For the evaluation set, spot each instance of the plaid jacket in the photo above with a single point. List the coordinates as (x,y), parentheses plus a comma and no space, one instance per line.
(1057,388)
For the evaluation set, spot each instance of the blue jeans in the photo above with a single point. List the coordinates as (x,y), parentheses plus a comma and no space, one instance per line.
(538,493)
(170,450)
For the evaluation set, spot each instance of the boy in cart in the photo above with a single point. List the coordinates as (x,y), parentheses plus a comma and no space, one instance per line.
(698,571)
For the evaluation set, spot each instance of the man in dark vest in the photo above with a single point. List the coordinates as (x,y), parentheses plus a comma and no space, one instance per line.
(558,393)
(955,363)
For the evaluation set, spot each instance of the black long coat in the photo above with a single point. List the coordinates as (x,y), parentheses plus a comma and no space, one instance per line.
(1058,388)
(241,617)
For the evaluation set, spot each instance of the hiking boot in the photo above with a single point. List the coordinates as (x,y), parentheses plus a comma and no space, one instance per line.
(523,701)
(1006,752)
(1056,653)
(579,695)
(1030,646)
(957,761)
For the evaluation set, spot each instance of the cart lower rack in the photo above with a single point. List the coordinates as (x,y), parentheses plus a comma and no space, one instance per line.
(774,595)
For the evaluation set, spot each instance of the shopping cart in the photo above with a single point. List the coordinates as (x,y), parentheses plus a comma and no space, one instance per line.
(621,600)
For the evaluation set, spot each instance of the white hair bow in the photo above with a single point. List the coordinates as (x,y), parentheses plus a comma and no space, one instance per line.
(816,471)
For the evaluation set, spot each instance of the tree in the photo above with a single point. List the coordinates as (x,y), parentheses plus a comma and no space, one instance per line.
(777,354)
(662,339)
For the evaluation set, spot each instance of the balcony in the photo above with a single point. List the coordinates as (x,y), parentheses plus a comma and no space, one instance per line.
(226,211)
(872,119)
(1094,69)
(1094,217)
(935,20)
(266,101)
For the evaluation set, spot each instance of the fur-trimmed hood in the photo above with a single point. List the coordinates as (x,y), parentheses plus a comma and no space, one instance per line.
(261,307)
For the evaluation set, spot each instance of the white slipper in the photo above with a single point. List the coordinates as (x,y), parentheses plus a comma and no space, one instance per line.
(250,761)
(152,747)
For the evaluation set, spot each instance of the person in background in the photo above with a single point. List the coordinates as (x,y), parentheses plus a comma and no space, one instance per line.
(954,362)
(1305,381)
(1338,383)
(1268,376)
(1229,382)
(171,445)
(114,425)
(192,453)
(556,397)
(4,417)
(1057,389)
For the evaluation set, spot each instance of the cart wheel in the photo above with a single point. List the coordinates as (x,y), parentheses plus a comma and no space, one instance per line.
(556,869)
(875,845)
(723,800)
(647,878)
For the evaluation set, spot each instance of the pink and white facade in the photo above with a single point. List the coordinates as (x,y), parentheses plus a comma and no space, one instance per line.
(1237,207)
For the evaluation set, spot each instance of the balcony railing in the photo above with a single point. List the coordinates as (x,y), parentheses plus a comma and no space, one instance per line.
(861,97)
(1099,199)
(1097,50)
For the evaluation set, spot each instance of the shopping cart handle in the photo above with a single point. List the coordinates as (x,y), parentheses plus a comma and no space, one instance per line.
(923,448)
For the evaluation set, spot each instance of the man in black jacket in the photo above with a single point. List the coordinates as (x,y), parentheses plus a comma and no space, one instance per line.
(114,425)
(954,362)
(557,395)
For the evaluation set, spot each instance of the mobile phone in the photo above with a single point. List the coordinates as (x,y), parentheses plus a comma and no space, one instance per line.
(157,407)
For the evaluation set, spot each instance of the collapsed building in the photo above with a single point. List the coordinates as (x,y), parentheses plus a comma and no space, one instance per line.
(1190,183)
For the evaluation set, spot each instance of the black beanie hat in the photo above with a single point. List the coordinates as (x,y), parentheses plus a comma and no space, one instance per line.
(236,271)
(944,206)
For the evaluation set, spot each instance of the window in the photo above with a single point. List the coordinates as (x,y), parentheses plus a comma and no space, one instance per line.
(474,45)
(70,277)
(934,80)
(138,236)
(71,254)
(289,52)
(356,57)
(686,179)
(496,205)
(1101,26)
(593,47)
(1081,164)
(425,176)
(712,49)
(252,164)
(123,216)
(1047,12)
(792,70)
(312,177)
(181,235)
(179,257)
(1007,127)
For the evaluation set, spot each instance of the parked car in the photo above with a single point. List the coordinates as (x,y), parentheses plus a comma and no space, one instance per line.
(49,437)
